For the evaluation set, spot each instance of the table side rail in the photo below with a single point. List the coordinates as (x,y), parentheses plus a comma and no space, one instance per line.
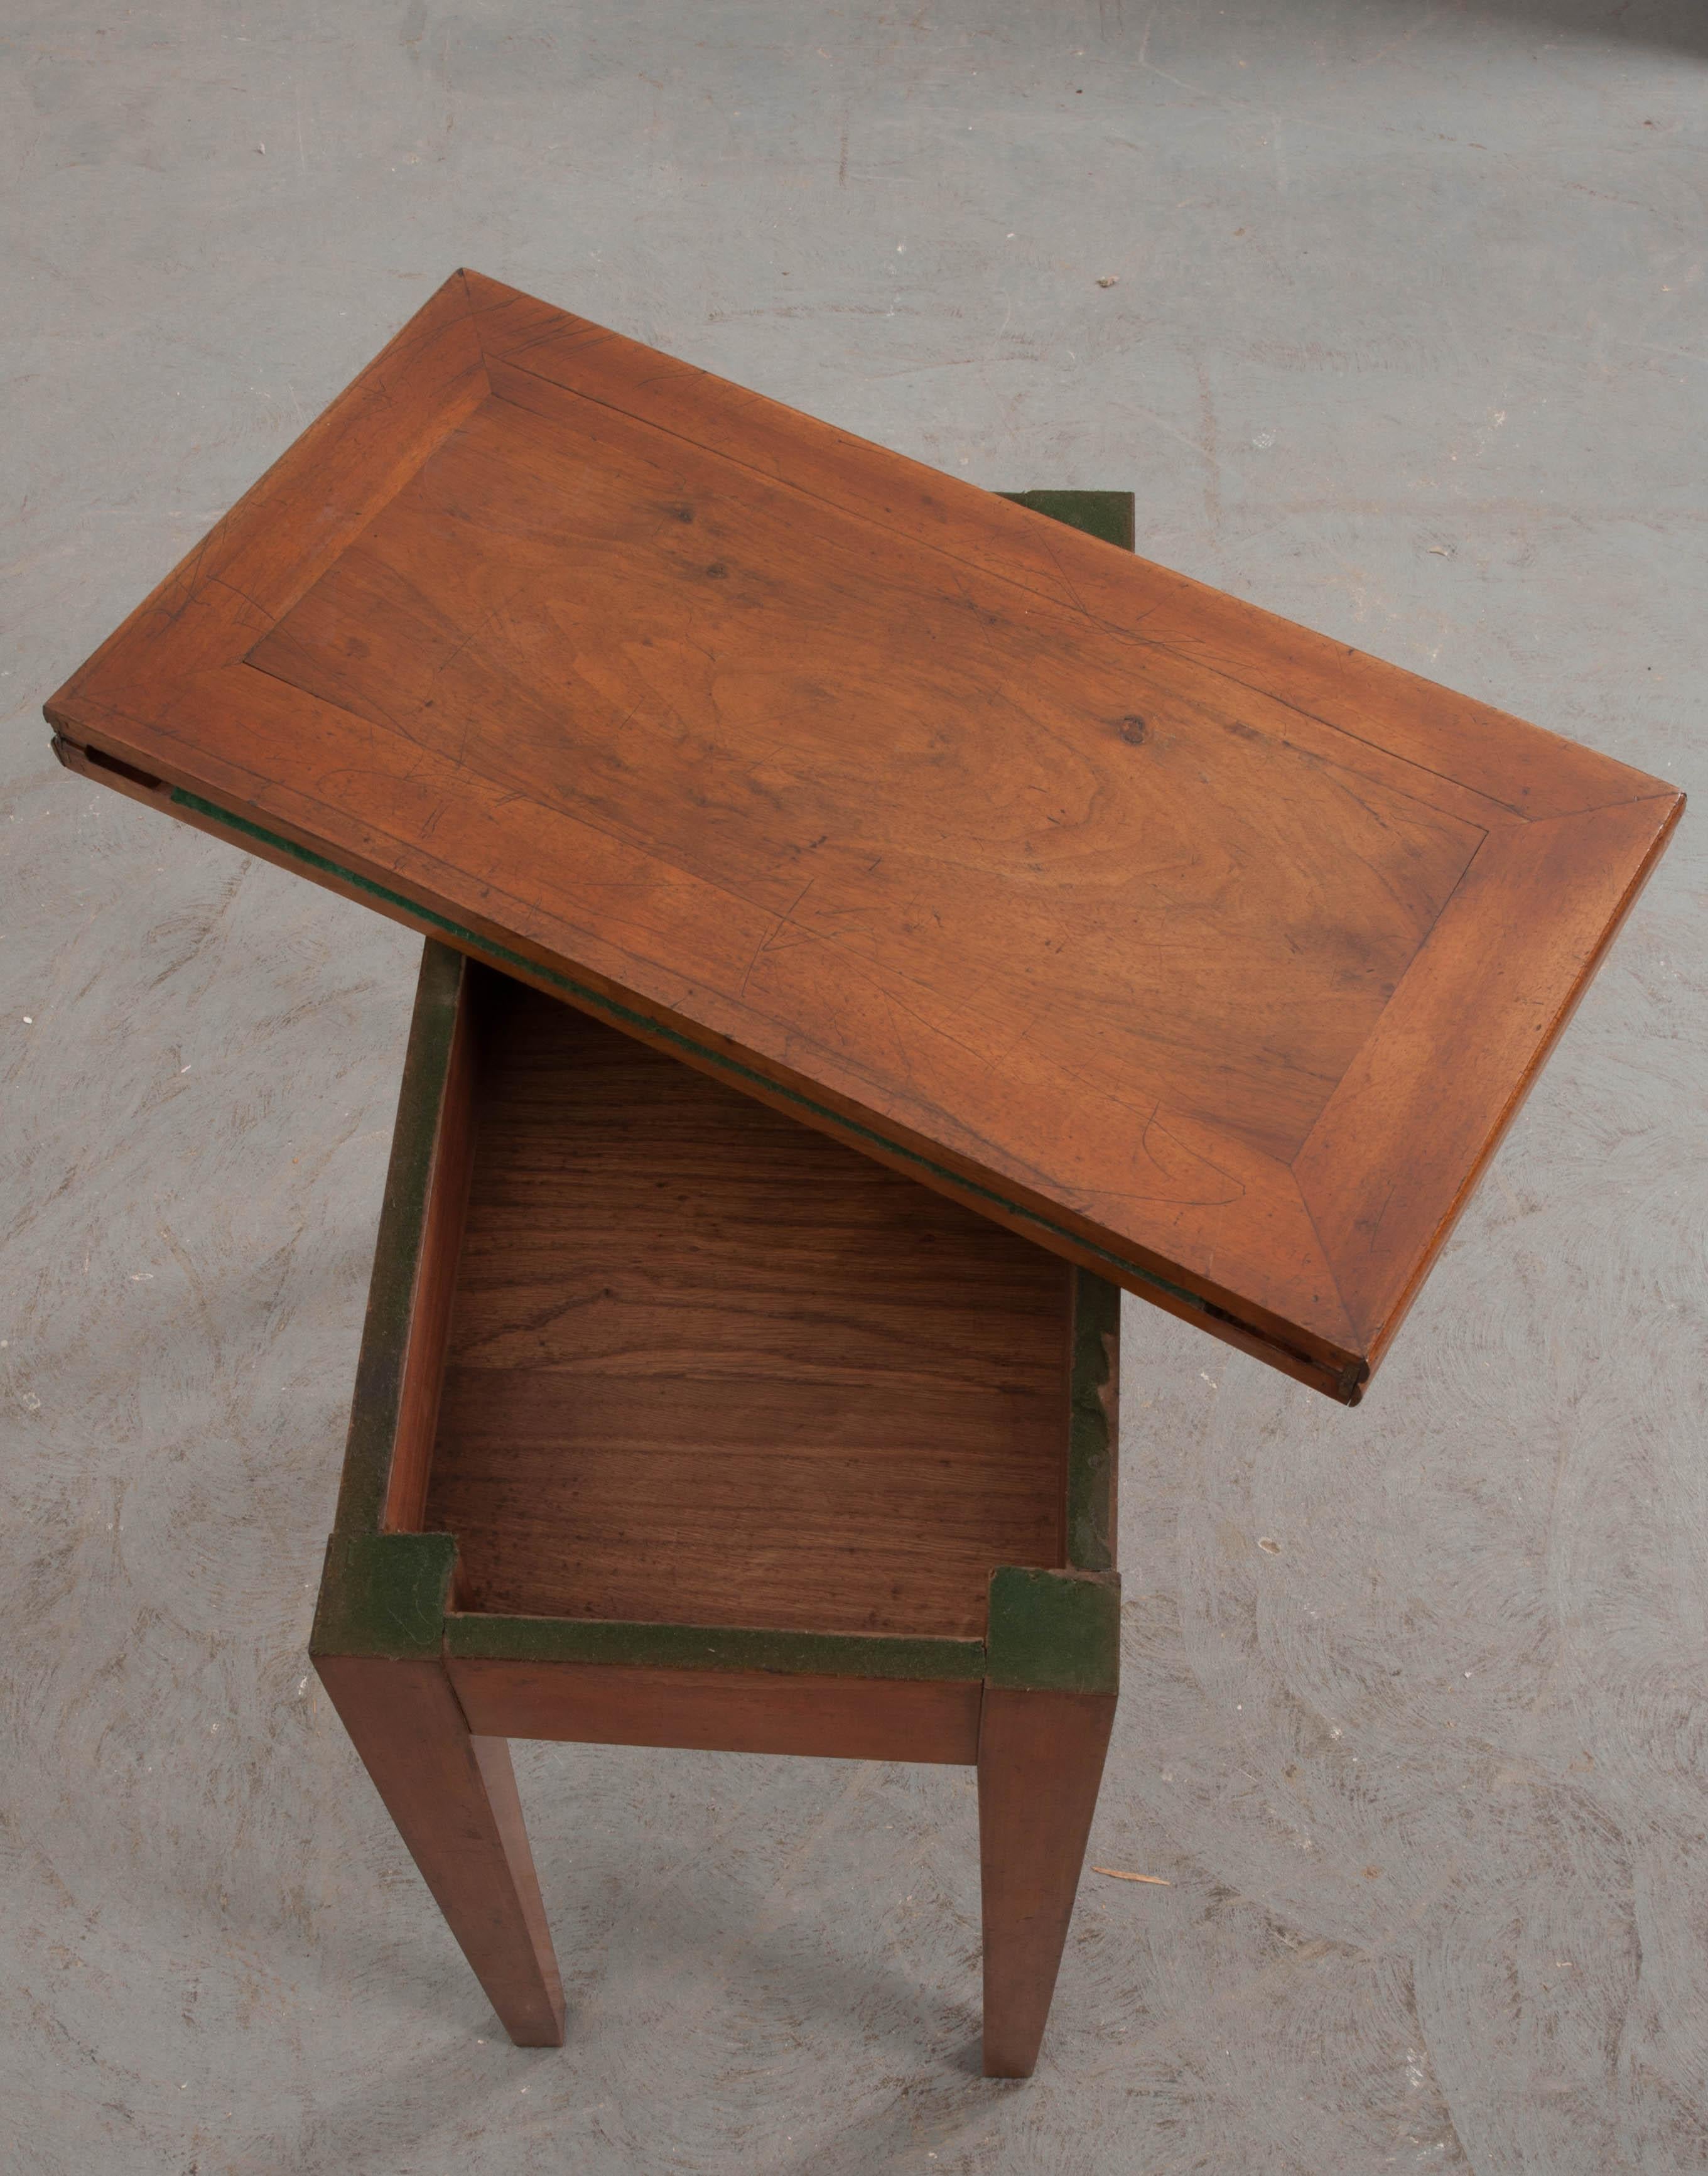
(1094,1373)
(395,1409)
(851,1718)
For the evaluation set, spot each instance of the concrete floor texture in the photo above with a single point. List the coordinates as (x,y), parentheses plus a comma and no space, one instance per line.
(1408,341)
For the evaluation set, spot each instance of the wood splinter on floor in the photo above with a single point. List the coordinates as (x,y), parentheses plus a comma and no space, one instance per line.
(1115,1874)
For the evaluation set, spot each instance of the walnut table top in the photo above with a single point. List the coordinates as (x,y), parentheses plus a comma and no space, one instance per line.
(1200,949)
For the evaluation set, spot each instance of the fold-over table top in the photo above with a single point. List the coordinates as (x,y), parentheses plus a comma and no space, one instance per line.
(1197,947)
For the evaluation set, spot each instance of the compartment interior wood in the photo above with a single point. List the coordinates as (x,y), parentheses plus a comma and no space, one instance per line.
(704,1365)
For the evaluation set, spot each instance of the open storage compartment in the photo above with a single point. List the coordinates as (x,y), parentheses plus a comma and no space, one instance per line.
(662,1381)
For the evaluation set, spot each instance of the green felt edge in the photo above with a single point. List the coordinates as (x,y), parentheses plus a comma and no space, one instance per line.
(384,1594)
(1054,1631)
(712,1647)
(379,1371)
(1108,515)
(1091,1453)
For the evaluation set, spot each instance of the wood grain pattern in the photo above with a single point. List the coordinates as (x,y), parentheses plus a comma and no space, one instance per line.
(453,1796)
(707,1366)
(286,530)
(1051,1681)
(1040,1766)
(394,1404)
(1090,890)
(1496,983)
(724,1710)
(438,1260)
(789,1414)
(386,635)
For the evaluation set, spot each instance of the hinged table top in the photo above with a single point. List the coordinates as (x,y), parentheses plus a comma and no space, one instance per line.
(1199,947)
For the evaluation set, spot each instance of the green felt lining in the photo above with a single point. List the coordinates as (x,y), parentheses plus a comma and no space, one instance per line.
(713,1647)
(1091,1453)
(1108,515)
(384,1594)
(1054,1631)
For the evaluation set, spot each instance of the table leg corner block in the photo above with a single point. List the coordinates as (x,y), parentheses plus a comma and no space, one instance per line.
(384,1596)
(1051,1684)
(378,1647)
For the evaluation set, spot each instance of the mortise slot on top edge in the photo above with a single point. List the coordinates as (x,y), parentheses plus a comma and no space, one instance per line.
(99,761)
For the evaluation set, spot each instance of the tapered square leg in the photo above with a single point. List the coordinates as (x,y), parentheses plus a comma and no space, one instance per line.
(1040,1763)
(454,1798)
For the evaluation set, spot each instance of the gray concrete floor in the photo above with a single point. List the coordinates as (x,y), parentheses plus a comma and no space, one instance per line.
(1408,342)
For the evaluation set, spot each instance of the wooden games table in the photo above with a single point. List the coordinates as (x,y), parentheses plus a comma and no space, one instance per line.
(679,1423)
(873,923)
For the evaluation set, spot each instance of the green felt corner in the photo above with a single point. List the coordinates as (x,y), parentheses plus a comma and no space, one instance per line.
(1108,515)
(712,1647)
(384,1594)
(1054,1631)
